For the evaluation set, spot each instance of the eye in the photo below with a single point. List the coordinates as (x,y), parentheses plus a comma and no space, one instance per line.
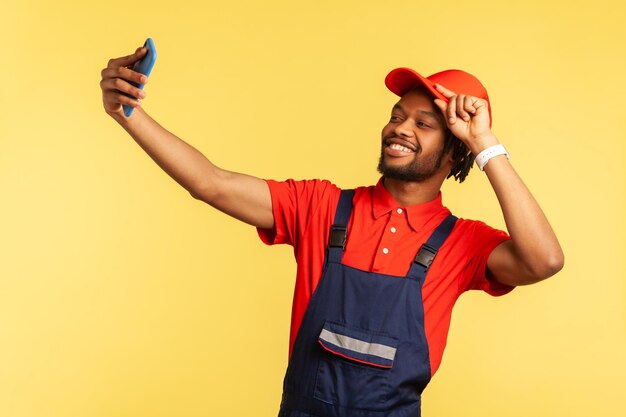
(395,118)
(420,123)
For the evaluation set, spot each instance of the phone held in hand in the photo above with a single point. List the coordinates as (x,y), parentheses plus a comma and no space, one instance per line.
(144,66)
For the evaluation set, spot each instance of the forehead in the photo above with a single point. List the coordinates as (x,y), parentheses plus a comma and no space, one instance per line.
(418,102)
(418,97)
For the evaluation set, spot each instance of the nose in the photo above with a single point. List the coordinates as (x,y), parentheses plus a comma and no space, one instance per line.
(404,129)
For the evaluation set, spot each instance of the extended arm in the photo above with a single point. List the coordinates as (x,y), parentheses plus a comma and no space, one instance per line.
(242,196)
(533,253)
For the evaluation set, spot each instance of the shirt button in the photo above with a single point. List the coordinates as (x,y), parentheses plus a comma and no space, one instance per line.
(393,230)
(399,211)
(385,251)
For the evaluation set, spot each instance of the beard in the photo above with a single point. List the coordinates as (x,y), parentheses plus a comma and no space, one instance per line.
(419,169)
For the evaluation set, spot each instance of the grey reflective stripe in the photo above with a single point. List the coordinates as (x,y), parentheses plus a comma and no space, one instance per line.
(356,345)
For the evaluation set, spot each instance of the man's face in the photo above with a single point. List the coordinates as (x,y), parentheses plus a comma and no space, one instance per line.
(413,140)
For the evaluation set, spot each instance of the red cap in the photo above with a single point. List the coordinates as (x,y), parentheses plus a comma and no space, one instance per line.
(402,80)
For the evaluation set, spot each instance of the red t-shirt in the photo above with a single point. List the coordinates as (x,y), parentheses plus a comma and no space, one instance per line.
(383,237)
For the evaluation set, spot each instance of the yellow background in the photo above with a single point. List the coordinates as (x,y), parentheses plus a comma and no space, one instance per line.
(121,295)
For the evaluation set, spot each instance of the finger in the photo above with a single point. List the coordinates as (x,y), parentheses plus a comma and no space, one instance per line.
(117,84)
(128,88)
(443,106)
(128,59)
(479,104)
(452,109)
(125,100)
(470,105)
(443,90)
(113,100)
(462,101)
(124,73)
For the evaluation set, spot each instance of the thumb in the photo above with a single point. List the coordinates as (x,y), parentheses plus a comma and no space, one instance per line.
(139,53)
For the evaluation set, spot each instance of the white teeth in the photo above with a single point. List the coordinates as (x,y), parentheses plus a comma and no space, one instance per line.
(400,147)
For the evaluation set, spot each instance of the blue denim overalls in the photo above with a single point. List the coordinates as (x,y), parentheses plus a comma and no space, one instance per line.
(361,350)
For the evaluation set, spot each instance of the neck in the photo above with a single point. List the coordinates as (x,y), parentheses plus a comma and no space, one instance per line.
(408,193)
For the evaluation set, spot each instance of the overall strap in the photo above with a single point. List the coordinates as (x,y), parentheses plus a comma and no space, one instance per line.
(339,229)
(427,252)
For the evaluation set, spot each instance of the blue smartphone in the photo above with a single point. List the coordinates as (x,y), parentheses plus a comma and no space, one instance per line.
(144,66)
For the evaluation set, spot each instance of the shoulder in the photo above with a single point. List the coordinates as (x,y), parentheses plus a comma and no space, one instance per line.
(312,188)
(472,243)
(295,205)
(474,226)
(302,187)
(475,236)
(304,199)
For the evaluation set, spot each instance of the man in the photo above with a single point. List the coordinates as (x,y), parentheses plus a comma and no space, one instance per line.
(380,267)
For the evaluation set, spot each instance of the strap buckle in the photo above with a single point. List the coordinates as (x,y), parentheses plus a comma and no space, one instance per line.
(338,234)
(425,255)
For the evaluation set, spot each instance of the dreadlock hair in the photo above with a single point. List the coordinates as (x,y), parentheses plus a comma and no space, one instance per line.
(461,155)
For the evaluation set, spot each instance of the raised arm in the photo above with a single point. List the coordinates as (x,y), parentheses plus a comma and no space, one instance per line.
(533,253)
(241,196)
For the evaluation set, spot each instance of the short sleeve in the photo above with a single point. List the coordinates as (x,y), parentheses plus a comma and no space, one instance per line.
(484,240)
(294,204)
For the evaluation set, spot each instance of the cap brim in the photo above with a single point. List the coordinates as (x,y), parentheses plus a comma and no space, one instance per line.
(402,80)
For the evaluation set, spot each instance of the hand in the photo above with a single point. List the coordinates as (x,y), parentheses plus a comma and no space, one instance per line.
(468,119)
(116,78)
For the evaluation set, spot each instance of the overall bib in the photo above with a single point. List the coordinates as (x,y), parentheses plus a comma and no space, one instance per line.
(361,350)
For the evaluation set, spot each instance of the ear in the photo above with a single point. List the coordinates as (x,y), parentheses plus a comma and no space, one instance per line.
(449,158)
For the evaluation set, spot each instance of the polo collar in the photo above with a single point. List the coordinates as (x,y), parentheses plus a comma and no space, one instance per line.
(417,215)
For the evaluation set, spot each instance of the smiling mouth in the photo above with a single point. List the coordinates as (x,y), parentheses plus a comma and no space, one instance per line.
(399,147)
